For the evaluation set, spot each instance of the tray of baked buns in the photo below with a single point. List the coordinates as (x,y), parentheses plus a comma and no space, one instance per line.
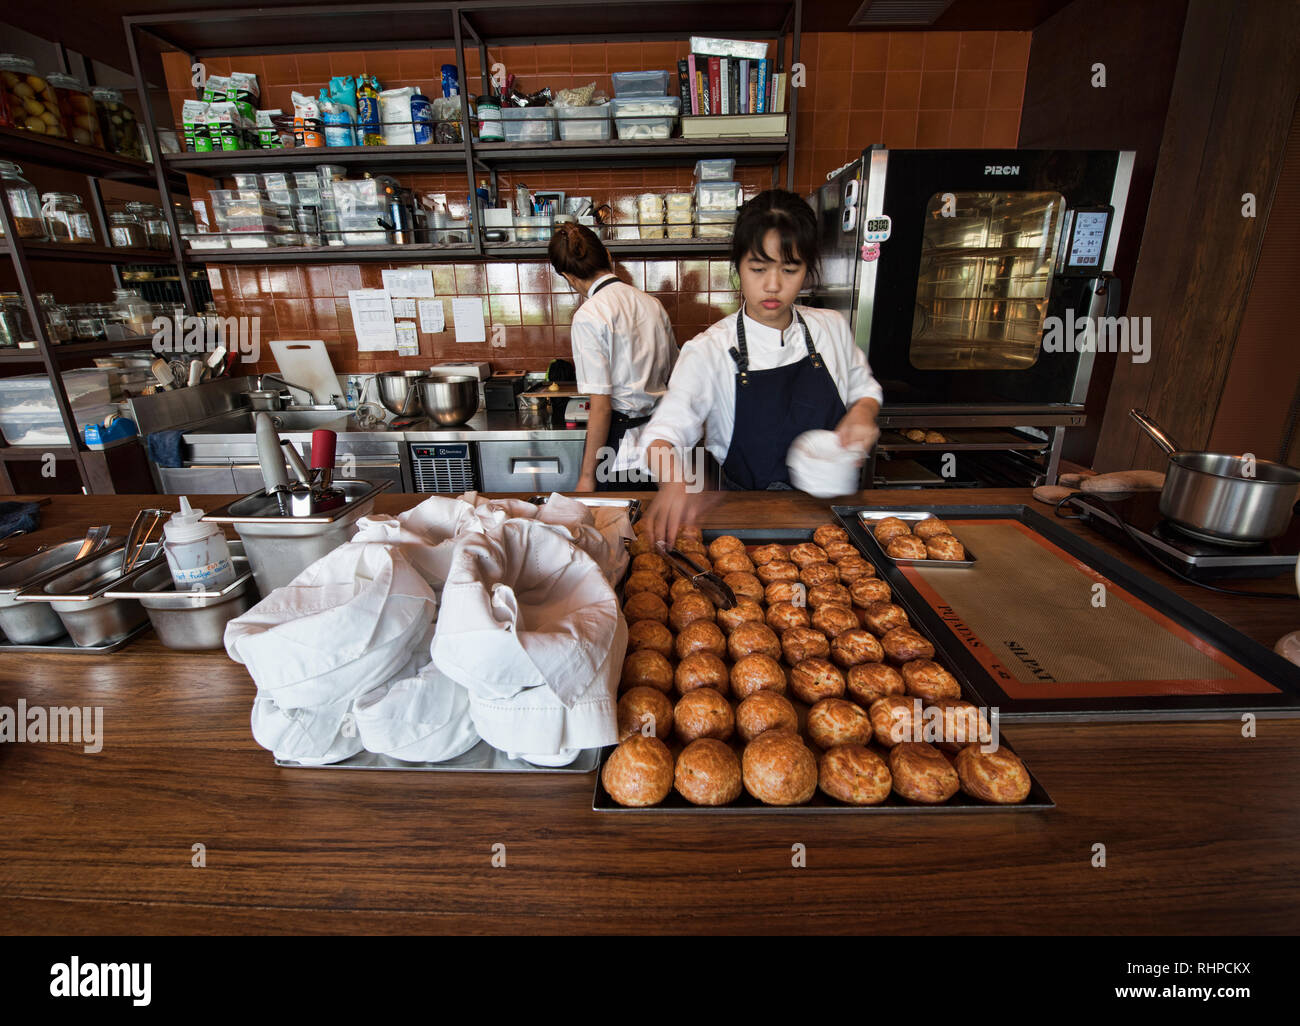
(813,693)
(914,538)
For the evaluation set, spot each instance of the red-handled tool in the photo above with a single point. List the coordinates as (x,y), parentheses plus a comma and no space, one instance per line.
(323,445)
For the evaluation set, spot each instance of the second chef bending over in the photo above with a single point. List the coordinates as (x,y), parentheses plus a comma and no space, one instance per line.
(623,351)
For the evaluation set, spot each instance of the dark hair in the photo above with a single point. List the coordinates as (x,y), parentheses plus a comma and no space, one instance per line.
(575,250)
(793,220)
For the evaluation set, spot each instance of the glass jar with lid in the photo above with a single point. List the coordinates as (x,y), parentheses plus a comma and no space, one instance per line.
(28,98)
(135,312)
(66,219)
(24,202)
(156,233)
(58,328)
(77,110)
(127,230)
(117,123)
(15,326)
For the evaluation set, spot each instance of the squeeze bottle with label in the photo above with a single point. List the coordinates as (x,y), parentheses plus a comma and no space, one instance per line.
(197,554)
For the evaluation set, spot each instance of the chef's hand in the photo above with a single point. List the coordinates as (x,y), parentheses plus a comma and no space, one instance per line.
(857,428)
(669,511)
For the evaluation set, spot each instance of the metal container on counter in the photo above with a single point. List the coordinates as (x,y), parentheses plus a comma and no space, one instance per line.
(449,398)
(34,623)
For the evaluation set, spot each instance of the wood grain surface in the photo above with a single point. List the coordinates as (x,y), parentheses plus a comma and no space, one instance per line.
(1201,826)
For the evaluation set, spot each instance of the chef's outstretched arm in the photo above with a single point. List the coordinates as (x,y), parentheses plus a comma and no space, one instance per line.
(857,428)
(681,500)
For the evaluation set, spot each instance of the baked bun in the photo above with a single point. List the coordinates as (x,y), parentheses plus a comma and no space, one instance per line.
(753,639)
(868,681)
(906,546)
(935,437)
(733,563)
(701,670)
(815,574)
(855,775)
(645,580)
(694,548)
(868,590)
(779,769)
(725,543)
(828,533)
(883,617)
(829,595)
(640,546)
(929,527)
(856,646)
(895,719)
(786,591)
(762,711)
(703,713)
(744,584)
(647,668)
(963,724)
(806,554)
(926,679)
(781,616)
(833,721)
(834,621)
(921,773)
(639,771)
(903,644)
(756,673)
(653,562)
(839,551)
(800,643)
(998,776)
(646,711)
(701,636)
(769,554)
(889,528)
(815,679)
(778,570)
(682,586)
(650,634)
(689,608)
(914,435)
(854,568)
(708,773)
(644,606)
(692,532)
(945,547)
(746,610)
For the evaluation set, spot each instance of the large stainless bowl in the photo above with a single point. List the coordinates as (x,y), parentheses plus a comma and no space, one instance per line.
(449,398)
(398,392)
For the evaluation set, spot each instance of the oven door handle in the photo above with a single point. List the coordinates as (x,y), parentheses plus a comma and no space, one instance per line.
(534,466)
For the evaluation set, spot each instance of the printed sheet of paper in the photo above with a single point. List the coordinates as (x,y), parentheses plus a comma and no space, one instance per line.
(414,282)
(408,341)
(433,319)
(402,307)
(372,319)
(467,314)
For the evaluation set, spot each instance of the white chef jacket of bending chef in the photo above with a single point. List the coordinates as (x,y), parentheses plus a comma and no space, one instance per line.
(701,396)
(623,347)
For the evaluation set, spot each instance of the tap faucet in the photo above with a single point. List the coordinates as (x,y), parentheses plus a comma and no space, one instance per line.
(261,384)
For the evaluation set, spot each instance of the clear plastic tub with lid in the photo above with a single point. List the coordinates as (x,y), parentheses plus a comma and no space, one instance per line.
(24,203)
(717,169)
(632,84)
(717,195)
(528,124)
(580,123)
(715,224)
(66,219)
(29,100)
(646,118)
(77,109)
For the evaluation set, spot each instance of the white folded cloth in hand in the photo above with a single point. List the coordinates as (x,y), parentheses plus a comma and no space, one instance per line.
(823,468)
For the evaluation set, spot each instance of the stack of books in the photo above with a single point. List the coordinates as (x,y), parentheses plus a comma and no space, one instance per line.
(734,85)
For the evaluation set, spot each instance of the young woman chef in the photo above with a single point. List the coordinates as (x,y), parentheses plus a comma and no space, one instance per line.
(760,377)
(623,350)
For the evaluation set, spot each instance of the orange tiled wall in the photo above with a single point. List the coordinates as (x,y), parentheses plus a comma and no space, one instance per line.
(905,89)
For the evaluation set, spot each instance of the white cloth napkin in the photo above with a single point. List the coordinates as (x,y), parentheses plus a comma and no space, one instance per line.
(823,468)
(421,718)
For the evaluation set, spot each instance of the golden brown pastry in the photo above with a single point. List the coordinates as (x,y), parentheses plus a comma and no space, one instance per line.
(998,776)
(639,771)
(882,617)
(963,724)
(701,670)
(841,550)
(895,719)
(906,546)
(903,644)
(765,710)
(818,574)
(708,773)
(868,681)
(779,769)
(828,533)
(690,532)
(945,547)
(786,591)
(693,547)
(645,580)
(778,570)
(703,713)
(725,543)
(755,673)
(754,639)
(834,621)
(644,606)
(935,437)
(744,585)
(889,528)
(829,595)
(746,610)
(701,636)
(769,554)
(856,646)
(815,679)
(854,774)
(647,668)
(921,773)
(929,527)
(688,609)
(682,586)
(854,568)
(781,616)
(807,553)
(869,590)
(800,643)
(653,562)
(646,711)
(650,634)
(733,563)
(833,721)
(640,546)
(914,435)
(926,679)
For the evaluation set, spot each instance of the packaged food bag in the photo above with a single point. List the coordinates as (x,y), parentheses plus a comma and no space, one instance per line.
(244,92)
(194,122)
(395,113)
(338,122)
(307,121)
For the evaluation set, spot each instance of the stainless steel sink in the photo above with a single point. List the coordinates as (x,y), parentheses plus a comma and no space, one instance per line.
(241,422)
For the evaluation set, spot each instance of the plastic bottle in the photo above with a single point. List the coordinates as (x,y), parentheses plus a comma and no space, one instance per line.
(197,554)
(368,112)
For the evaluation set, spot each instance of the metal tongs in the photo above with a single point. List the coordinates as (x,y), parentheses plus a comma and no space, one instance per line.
(143,527)
(715,589)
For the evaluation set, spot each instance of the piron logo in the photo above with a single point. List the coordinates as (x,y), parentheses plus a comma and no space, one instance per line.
(102,979)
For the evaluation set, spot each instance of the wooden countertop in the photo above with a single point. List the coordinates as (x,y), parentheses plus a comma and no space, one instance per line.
(1201,826)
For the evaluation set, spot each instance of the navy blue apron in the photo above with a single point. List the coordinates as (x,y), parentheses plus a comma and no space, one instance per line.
(619,425)
(773,408)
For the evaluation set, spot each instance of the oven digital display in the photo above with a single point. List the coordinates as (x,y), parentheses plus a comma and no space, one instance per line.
(1088,238)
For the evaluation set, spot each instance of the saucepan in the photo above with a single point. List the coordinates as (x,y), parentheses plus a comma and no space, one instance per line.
(1219,497)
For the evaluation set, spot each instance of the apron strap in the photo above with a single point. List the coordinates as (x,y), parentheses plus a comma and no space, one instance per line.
(740,351)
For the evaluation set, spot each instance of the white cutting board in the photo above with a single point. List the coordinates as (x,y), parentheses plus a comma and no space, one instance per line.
(307,364)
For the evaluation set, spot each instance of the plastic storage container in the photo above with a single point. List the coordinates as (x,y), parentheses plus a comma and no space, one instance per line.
(679,207)
(528,124)
(29,416)
(584,122)
(717,195)
(640,83)
(533,227)
(645,118)
(715,170)
(197,553)
(715,224)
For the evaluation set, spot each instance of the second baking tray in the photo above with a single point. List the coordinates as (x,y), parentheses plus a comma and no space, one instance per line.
(869,518)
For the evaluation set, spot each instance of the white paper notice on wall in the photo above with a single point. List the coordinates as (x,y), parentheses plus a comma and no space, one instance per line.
(408,341)
(372,319)
(415,282)
(467,314)
(402,307)
(432,318)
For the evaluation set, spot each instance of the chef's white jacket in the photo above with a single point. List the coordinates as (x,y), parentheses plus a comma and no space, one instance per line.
(623,347)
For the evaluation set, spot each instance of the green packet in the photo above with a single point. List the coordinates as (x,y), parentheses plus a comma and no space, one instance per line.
(215,88)
(226,126)
(194,123)
(268,138)
(244,92)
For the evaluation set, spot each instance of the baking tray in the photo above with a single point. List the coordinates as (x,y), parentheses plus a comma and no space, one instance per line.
(967,654)
(482,758)
(911,517)
(64,646)
(1038,799)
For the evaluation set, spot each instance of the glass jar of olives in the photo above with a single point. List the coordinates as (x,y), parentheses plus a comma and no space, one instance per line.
(28,98)
(117,123)
(77,110)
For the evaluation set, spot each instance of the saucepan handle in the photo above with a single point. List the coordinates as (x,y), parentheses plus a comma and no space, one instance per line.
(1155,431)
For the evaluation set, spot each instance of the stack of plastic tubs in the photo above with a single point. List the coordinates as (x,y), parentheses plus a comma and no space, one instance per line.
(528,124)
(641,107)
(30,416)
(715,208)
